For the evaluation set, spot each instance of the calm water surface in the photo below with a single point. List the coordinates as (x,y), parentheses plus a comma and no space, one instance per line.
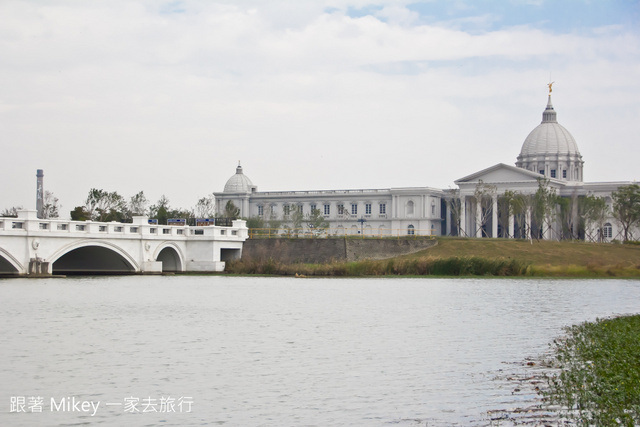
(280,351)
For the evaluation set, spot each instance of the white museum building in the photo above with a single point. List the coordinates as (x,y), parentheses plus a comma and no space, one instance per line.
(549,157)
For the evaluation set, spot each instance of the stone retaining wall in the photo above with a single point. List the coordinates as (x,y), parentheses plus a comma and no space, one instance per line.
(328,250)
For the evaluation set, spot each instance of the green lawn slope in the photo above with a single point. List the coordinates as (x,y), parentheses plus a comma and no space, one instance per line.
(474,257)
(565,258)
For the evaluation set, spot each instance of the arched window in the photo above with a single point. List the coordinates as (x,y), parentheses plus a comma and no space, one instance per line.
(607,231)
(411,230)
(409,208)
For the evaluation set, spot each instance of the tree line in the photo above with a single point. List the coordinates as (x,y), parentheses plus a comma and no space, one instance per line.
(105,206)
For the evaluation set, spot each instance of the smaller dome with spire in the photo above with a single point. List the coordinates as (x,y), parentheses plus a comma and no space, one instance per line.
(239,183)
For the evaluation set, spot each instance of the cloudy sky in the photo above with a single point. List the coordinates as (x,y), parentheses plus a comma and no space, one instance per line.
(168,96)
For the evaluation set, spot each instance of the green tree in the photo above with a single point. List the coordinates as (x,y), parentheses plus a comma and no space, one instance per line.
(231,210)
(626,208)
(180,213)
(316,222)
(273,223)
(11,212)
(206,207)
(594,212)
(296,218)
(568,212)
(484,195)
(159,209)
(80,214)
(105,206)
(521,207)
(505,211)
(255,222)
(51,207)
(544,206)
(455,205)
(138,205)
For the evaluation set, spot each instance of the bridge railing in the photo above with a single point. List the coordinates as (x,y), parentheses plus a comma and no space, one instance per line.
(27,221)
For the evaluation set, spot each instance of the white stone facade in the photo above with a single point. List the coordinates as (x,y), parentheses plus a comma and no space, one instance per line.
(383,212)
(549,152)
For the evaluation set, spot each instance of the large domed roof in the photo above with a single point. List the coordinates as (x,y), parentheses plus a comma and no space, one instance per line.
(239,183)
(549,138)
(551,150)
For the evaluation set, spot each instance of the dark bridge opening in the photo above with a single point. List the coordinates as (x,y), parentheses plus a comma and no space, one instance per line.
(92,260)
(230,254)
(6,268)
(170,260)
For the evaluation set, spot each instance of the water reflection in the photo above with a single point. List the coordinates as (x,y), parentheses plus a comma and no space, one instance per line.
(286,352)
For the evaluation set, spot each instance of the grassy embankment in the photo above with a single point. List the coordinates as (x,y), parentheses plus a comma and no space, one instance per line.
(477,257)
(598,373)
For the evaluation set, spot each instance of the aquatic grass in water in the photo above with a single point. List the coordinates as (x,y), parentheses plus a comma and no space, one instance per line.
(598,379)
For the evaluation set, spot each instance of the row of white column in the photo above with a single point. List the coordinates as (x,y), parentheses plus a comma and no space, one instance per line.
(494,219)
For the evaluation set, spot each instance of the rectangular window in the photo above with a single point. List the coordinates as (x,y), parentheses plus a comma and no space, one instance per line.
(166,231)
(16,225)
(44,226)
(541,172)
(367,208)
(62,226)
(79,227)
(313,207)
(152,231)
(327,209)
(102,228)
(133,229)
(553,173)
(260,210)
(383,208)
(287,210)
(341,209)
(564,173)
(117,229)
(180,231)
(354,209)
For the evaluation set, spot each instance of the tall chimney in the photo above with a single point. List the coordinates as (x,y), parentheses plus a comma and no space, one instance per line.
(40,193)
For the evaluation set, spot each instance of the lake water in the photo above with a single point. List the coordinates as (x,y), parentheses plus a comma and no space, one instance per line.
(238,351)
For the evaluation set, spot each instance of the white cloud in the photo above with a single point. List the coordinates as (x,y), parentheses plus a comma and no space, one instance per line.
(166,98)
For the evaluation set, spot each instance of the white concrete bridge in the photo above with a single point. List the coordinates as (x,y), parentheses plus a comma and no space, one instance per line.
(30,246)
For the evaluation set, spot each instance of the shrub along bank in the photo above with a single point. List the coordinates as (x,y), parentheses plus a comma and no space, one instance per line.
(457,266)
(598,372)
(472,257)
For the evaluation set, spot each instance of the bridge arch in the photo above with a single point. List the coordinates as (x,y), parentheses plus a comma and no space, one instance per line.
(171,257)
(8,264)
(90,256)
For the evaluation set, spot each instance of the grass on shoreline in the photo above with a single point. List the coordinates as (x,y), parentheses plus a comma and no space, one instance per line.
(475,257)
(598,373)
(458,266)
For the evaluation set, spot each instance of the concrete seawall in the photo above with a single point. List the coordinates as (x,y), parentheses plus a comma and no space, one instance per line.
(327,250)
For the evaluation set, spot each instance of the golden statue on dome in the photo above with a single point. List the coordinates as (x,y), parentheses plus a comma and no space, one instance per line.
(550,89)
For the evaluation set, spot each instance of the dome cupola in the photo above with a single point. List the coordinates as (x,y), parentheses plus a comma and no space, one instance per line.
(239,183)
(551,150)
